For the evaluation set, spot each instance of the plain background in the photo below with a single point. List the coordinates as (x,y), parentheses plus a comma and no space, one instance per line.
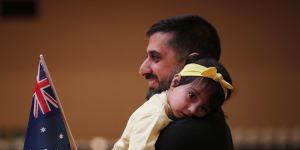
(93,50)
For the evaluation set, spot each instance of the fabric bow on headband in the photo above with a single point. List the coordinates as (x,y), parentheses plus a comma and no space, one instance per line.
(211,72)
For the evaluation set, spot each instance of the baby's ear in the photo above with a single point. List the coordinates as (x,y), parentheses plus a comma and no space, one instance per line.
(176,80)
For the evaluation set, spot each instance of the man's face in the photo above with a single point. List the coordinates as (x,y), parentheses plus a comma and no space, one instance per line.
(161,63)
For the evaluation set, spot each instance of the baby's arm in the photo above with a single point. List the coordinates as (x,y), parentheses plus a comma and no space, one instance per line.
(146,130)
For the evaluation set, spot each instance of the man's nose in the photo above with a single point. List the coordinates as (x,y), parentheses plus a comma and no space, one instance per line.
(145,68)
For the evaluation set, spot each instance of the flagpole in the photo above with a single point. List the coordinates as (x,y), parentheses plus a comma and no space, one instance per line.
(59,103)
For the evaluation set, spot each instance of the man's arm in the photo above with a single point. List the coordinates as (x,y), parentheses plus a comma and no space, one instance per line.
(206,133)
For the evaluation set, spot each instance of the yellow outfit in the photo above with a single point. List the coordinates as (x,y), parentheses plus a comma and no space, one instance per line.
(145,124)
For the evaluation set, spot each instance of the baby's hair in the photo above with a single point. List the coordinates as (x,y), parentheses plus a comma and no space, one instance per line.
(216,94)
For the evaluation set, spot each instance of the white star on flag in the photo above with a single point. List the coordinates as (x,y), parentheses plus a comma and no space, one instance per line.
(61,136)
(43,129)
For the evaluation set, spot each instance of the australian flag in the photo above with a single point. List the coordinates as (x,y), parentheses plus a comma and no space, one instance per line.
(46,129)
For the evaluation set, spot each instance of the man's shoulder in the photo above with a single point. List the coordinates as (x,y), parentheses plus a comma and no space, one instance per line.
(211,132)
(211,124)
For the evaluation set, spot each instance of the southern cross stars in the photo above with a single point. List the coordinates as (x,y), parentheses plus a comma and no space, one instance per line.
(43,129)
(61,136)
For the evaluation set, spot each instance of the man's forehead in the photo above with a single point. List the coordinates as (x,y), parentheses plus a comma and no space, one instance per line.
(160,39)
(159,43)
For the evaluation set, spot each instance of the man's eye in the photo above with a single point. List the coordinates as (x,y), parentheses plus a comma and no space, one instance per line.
(155,58)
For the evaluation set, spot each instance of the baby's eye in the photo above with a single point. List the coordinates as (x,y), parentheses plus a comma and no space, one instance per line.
(203,109)
(191,95)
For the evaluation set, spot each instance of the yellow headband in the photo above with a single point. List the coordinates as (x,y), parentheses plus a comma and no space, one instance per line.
(201,71)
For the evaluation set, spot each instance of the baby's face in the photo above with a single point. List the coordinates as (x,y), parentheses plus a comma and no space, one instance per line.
(188,100)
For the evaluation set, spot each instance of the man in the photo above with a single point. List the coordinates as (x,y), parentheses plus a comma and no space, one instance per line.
(173,42)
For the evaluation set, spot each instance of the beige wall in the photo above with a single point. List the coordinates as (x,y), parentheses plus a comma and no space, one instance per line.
(93,50)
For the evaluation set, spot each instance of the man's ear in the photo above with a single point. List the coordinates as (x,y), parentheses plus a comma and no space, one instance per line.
(193,57)
(194,54)
(175,81)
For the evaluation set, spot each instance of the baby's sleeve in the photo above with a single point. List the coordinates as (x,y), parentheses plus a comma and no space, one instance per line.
(146,130)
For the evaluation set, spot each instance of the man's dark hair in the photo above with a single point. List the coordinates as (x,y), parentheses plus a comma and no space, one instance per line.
(191,33)
(216,94)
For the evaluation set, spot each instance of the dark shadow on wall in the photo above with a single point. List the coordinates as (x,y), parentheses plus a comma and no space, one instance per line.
(18,9)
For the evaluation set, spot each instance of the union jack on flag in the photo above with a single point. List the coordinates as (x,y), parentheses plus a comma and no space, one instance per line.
(42,97)
(46,128)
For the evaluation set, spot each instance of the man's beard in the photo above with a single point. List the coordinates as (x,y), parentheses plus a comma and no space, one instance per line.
(161,87)
(163,84)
